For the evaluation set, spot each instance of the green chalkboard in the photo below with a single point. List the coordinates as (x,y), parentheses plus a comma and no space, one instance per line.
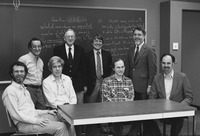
(49,23)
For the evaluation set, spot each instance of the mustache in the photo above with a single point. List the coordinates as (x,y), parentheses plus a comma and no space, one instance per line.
(166,67)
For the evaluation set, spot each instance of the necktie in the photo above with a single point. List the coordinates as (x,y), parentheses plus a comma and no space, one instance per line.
(136,53)
(98,72)
(70,55)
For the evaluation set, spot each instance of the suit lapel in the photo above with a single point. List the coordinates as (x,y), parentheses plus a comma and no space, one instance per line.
(162,85)
(93,61)
(174,85)
(142,50)
(75,55)
(133,54)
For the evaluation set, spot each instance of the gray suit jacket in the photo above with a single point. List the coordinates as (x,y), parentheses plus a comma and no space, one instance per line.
(143,70)
(181,89)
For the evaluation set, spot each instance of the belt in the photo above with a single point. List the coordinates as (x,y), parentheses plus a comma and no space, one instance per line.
(33,86)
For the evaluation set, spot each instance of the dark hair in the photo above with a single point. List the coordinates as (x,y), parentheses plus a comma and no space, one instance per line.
(139,29)
(33,39)
(168,54)
(116,60)
(18,63)
(98,36)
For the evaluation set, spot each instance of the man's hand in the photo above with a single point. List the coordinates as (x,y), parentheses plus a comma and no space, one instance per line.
(52,112)
(148,89)
(42,122)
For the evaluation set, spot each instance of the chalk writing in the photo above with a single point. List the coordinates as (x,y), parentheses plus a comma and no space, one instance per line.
(117,33)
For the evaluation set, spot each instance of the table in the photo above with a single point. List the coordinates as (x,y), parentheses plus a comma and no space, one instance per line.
(97,113)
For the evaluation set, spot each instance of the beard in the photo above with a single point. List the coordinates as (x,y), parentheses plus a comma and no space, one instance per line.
(19,79)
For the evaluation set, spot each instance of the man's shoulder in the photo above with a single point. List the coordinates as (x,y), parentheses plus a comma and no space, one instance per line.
(109,78)
(179,74)
(59,46)
(24,57)
(9,90)
(106,52)
(77,47)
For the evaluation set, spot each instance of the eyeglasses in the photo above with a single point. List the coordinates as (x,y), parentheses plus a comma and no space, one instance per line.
(37,47)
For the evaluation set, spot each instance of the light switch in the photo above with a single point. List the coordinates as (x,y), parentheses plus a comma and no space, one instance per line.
(175,46)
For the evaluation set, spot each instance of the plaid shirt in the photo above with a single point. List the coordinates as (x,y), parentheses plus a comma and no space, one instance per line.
(117,91)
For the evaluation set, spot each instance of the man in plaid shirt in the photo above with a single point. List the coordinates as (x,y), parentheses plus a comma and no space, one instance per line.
(117,88)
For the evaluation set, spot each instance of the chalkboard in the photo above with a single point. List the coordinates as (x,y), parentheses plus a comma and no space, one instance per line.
(49,23)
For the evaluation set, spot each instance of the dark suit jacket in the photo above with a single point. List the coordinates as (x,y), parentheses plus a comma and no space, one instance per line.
(78,71)
(143,70)
(181,89)
(91,68)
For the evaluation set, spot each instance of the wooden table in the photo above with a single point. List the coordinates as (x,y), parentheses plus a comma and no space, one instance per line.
(97,113)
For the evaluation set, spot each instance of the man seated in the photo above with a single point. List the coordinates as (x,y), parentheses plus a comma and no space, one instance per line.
(18,102)
(117,88)
(58,87)
(172,86)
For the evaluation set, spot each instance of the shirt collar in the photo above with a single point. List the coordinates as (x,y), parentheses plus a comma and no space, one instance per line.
(170,75)
(95,51)
(53,78)
(67,47)
(20,86)
(123,77)
(32,56)
(140,46)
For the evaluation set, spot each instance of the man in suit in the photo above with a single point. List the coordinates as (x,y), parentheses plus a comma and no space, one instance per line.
(172,86)
(96,75)
(141,65)
(91,64)
(74,67)
(141,68)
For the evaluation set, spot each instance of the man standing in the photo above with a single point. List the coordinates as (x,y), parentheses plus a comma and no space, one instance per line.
(117,88)
(18,103)
(34,76)
(141,68)
(74,67)
(141,65)
(98,64)
(172,86)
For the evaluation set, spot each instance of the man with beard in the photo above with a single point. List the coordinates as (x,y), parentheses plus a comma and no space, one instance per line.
(33,80)
(172,86)
(117,88)
(141,68)
(18,103)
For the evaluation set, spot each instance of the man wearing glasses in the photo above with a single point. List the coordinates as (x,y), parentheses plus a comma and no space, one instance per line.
(33,80)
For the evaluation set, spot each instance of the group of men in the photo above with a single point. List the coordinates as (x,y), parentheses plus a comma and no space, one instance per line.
(77,77)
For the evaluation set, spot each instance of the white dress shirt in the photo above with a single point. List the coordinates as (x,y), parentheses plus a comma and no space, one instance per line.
(35,69)
(168,79)
(67,50)
(18,102)
(59,93)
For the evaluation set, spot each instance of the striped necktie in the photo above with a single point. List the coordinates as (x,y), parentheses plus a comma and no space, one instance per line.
(98,69)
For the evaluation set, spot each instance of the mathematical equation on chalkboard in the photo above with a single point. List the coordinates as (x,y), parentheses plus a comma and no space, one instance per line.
(117,33)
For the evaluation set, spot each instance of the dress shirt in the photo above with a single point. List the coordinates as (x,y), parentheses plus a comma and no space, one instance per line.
(19,104)
(59,93)
(116,91)
(67,50)
(95,57)
(140,46)
(168,79)
(35,69)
